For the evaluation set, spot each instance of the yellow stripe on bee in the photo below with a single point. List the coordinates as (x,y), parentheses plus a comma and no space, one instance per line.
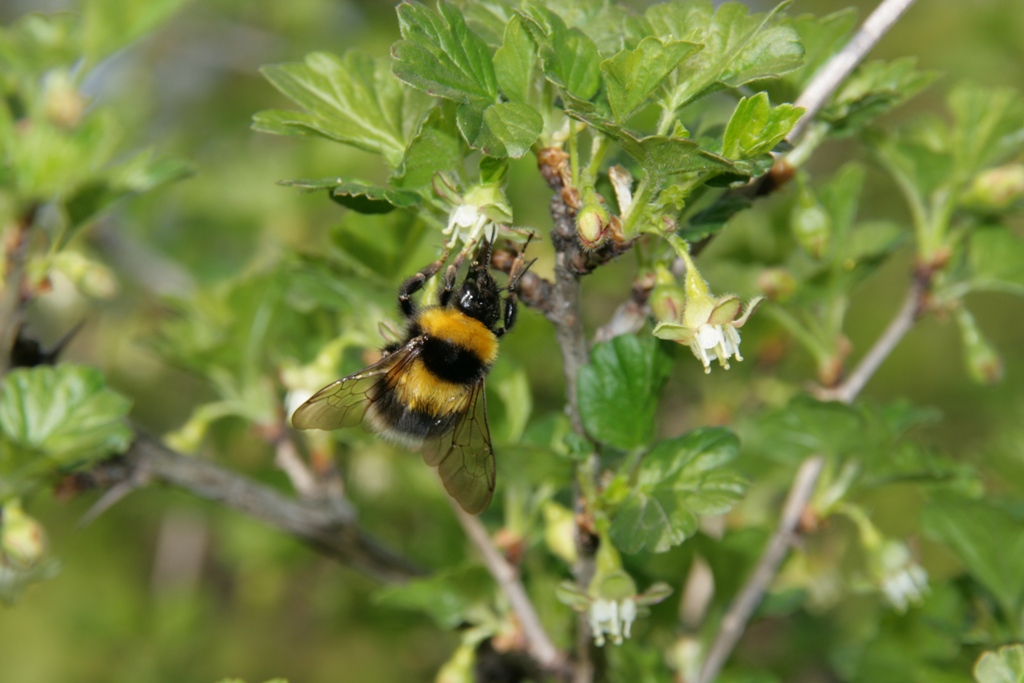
(421,390)
(461,330)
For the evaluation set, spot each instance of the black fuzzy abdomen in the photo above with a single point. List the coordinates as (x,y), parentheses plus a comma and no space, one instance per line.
(452,363)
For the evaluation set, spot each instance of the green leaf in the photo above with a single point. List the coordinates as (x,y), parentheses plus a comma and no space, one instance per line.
(438,145)
(873,89)
(359,196)
(354,100)
(755,127)
(807,427)
(571,59)
(632,76)
(488,18)
(738,47)
(439,54)
(1005,665)
(712,219)
(515,63)
(918,158)
(449,597)
(380,244)
(821,37)
(64,415)
(995,261)
(678,480)
(660,156)
(988,126)
(139,174)
(506,129)
(618,391)
(987,540)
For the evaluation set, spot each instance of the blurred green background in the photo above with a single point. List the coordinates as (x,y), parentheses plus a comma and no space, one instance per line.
(164,588)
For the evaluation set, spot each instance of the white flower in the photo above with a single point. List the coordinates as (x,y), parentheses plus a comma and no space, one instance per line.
(611,603)
(903,581)
(481,206)
(465,224)
(708,324)
(614,618)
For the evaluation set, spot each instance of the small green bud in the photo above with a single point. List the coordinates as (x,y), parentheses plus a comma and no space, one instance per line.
(997,188)
(592,226)
(22,540)
(63,103)
(559,531)
(778,284)
(983,362)
(811,224)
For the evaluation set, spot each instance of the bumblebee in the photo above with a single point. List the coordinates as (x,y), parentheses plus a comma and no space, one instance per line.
(427,392)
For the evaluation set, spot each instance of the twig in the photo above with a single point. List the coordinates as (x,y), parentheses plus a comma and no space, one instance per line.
(735,620)
(898,327)
(288,460)
(538,644)
(565,313)
(835,71)
(328,528)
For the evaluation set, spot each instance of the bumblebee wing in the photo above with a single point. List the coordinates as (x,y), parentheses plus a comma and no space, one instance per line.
(345,402)
(464,457)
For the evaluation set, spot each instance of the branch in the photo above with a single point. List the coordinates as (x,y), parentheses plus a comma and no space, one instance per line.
(734,622)
(563,310)
(329,528)
(898,327)
(830,77)
(538,644)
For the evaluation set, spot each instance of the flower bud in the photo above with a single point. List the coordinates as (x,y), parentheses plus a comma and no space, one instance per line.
(778,284)
(63,103)
(592,226)
(559,531)
(983,362)
(996,188)
(22,540)
(811,224)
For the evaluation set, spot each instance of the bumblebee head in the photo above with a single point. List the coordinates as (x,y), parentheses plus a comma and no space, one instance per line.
(478,295)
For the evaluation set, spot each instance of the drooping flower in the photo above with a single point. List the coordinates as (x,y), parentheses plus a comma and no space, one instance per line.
(891,566)
(611,600)
(708,324)
(903,581)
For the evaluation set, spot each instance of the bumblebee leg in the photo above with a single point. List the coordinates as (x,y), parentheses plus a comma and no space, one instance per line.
(511,304)
(415,283)
(448,284)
